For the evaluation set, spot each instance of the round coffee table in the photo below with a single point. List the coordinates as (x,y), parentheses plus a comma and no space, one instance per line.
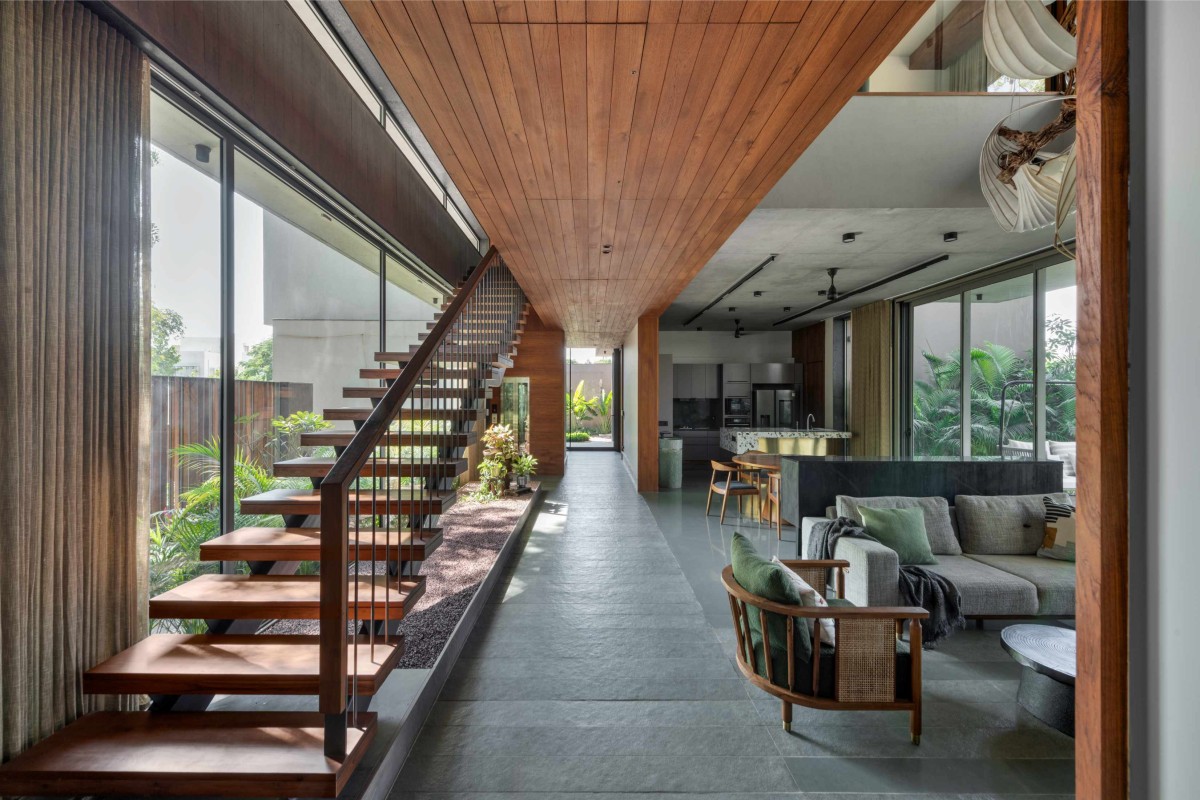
(1048,681)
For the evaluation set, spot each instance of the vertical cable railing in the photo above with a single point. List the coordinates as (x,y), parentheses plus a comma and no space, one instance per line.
(380,496)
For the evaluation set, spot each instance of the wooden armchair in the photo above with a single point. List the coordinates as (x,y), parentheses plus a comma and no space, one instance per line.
(863,672)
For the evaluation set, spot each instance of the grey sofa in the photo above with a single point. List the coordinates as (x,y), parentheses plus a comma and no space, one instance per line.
(986,545)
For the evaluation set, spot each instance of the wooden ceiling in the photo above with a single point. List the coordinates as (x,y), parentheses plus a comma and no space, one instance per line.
(654,127)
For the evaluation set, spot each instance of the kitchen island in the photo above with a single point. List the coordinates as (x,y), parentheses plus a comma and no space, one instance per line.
(791,441)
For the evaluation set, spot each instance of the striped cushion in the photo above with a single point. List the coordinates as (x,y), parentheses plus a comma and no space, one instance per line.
(1059,541)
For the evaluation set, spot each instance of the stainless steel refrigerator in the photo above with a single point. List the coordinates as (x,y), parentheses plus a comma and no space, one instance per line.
(774,408)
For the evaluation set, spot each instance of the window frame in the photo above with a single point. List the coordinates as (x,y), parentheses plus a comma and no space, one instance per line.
(1033,264)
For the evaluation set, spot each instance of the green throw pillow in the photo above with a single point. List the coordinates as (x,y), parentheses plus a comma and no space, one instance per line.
(765,578)
(901,529)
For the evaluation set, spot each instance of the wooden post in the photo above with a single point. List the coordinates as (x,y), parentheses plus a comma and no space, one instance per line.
(1102,273)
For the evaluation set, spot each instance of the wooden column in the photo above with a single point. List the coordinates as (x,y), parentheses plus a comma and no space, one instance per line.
(1102,273)
(541,357)
(647,403)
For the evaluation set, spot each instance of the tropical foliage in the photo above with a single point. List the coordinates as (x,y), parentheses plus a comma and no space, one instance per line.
(578,436)
(937,401)
(259,364)
(582,410)
(166,331)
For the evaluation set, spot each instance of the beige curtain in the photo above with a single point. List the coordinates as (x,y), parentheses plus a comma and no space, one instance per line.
(72,563)
(971,72)
(871,379)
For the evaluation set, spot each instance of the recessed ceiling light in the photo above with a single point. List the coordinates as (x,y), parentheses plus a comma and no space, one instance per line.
(847,238)
(952,236)
(758,294)
(732,308)
(787,308)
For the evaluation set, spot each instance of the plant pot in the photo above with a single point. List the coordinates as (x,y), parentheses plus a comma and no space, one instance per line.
(522,481)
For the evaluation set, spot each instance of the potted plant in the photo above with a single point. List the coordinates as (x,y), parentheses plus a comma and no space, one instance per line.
(491,477)
(523,467)
(500,444)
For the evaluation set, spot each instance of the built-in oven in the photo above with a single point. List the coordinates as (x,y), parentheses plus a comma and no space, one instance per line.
(738,406)
(737,422)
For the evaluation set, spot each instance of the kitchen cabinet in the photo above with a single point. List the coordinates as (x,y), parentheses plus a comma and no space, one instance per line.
(784,373)
(737,373)
(696,381)
(700,445)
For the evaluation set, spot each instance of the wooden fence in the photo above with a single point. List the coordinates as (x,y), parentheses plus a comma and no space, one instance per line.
(187,411)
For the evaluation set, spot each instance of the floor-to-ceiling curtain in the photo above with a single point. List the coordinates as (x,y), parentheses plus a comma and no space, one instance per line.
(871,380)
(72,564)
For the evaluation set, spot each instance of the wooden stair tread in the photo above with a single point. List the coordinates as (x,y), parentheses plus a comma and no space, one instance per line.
(280,597)
(404,500)
(442,374)
(407,414)
(181,754)
(393,438)
(304,544)
(376,392)
(318,467)
(249,664)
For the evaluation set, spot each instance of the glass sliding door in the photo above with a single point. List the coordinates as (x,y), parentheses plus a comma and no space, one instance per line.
(1013,395)
(1003,417)
(185,347)
(937,378)
(590,399)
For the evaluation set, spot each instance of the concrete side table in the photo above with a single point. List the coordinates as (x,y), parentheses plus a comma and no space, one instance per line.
(670,462)
(1048,681)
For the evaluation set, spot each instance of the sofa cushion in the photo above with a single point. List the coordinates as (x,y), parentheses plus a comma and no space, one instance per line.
(1054,580)
(1002,525)
(1064,452)
(1059,541)
(766,579)
(902,529)
(938,524)
(987,590)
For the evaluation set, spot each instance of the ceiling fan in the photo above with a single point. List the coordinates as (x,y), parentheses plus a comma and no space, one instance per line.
(832,292)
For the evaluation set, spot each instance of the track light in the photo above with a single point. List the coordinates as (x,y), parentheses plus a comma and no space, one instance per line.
(848,238)
(952,236)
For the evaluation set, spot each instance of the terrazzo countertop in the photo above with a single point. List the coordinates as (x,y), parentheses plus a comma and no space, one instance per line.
(739,440)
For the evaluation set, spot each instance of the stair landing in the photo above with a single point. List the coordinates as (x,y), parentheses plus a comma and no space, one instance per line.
(185,754)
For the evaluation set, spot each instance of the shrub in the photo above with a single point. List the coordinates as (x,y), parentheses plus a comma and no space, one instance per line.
(578,436)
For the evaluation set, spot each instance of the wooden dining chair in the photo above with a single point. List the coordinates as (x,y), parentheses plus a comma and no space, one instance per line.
(772,503)
(732,486)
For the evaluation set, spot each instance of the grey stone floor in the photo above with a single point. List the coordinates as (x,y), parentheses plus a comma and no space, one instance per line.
(603,667)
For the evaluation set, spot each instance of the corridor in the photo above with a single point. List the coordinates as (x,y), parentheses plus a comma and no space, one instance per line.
(596,670)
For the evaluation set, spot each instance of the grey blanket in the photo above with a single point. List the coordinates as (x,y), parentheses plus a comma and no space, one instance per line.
(919,587)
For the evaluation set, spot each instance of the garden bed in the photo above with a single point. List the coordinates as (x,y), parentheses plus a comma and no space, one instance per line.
(473,535)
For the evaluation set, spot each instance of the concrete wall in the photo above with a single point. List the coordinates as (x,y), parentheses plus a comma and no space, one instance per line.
(1165,432)
(719,347)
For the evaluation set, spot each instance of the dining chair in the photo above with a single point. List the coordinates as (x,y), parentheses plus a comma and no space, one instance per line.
(772,503)
(732,486)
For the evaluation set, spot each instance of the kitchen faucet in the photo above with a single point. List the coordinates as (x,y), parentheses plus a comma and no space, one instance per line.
(811,419)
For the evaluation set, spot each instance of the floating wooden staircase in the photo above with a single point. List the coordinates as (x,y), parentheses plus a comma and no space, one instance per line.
(375,503)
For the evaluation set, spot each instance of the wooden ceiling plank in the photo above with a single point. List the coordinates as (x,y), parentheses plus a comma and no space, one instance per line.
(633,10)
(477,10)
(428,25)
(511,11)
(678,138)
(572,48)
(540,11)
(528,94)
(790,10)
(570,11)
(601,12)
(695,11)
(664,11)
(692,139)
(601,52)
(544,44)
(758,10)
(656,52)
(727,11)
(627,62)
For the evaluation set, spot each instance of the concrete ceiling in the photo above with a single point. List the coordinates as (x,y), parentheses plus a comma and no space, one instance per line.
(899,172)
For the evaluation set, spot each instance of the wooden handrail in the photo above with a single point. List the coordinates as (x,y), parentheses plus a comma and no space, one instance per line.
(335,527)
